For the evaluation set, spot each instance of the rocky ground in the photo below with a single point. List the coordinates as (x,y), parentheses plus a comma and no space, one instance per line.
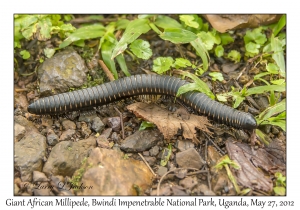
(104,153)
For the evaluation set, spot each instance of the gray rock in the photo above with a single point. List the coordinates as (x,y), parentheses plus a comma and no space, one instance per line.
(97,125)
(184,145)
(28,125)
(52,139)
(150,160)
(141,140)
(205,191)
(110,174)
(67,135)
(39,177)
(161,170)
(29,155)
(66,156)
(68,124)
(114,136)
(114,123)
(102,142)
(188,182)
(19,132)
(178,190)
(64,70)
(189,158)
(87,117)
(230,67)
(107,132)
(154,151)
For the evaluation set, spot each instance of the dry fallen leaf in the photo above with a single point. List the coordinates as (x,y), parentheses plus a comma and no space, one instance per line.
(168,123)
(249,175)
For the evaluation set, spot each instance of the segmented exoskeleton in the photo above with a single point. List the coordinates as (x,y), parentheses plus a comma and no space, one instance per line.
(141,85)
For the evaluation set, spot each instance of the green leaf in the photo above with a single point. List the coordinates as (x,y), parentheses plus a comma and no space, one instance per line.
(281,23)
(28,20)
(166,154)
(79,43)
(178,35)
(278,55)
(222,97)
(265,88)
(122,63)
(279,123)
(280,179)
(106,52)
(225,160)
(189,20)
(216,76)
(25,54)
(83,33)
(273,110)
(45,29)
(252,49)
(226,38)
(164,22)
(49,52)
(67,27)
(199,85)
(29,31)
(207,39)
(146,124)
(141,49)
(133,30)
(238,100)
(272,68)
(181,63)
(255,35)
(279,190)
(219,51)
(278,82)
(162,64)
(234,56)
(202,52)
(122,24)
(262,136)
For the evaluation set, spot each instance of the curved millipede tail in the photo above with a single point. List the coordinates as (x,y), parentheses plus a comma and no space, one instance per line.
(141,85)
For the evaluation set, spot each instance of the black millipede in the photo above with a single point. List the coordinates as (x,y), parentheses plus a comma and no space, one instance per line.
(141,85)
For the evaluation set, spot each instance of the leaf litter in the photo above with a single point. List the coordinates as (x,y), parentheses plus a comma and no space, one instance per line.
(168,122)
(254,162)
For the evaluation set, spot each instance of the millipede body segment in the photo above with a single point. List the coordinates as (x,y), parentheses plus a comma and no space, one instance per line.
(141,85)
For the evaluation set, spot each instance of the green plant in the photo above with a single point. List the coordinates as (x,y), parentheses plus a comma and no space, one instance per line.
(280,184)
(226,162)
(166,155)
(239,96)
(40,27)
(146,124)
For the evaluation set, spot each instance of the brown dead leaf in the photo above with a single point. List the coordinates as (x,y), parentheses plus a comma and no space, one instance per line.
(168,123)
(250,175)
(224,22)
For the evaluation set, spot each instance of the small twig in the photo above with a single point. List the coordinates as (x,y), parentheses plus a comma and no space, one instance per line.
(21,90)
(148,71)
(240,74)
(197,172)
(221,151)
(145,161)
(209,179)
(176,169)
(122,124)
(106,70)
